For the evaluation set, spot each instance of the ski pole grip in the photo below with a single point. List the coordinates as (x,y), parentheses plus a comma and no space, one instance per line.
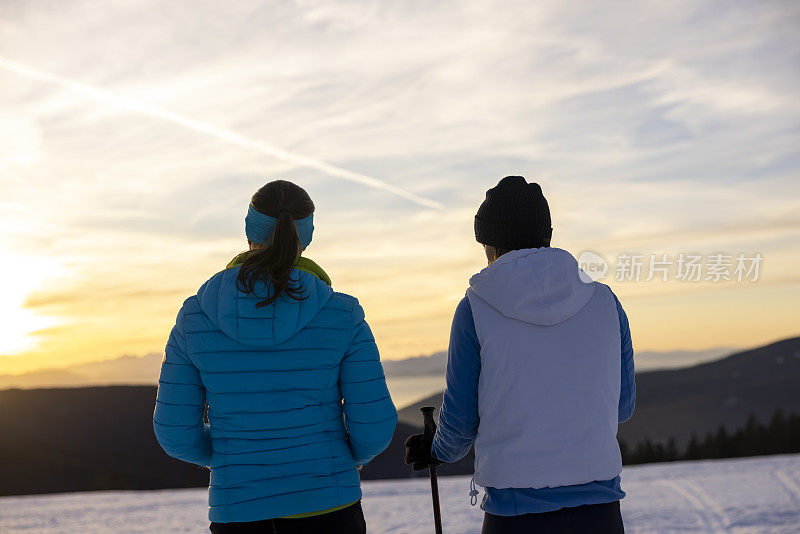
(430,425)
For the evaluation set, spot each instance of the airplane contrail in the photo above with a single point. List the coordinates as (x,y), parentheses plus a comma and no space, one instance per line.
(227,136)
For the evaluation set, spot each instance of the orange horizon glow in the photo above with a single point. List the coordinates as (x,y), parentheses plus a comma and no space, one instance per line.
(126,170)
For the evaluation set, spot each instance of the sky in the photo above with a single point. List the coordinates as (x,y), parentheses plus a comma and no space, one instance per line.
(134,133)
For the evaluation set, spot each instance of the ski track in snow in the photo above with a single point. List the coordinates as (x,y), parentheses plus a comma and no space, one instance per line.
(787,482)
(744,496)
(705,507)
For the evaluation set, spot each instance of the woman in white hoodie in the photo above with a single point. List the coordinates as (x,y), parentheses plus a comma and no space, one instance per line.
(539,373)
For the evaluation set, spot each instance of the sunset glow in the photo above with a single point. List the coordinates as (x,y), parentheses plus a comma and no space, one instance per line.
(126,169)
(19,276)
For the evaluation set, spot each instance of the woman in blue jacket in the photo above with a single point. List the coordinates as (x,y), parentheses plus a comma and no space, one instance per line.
(290,375)
(539,374)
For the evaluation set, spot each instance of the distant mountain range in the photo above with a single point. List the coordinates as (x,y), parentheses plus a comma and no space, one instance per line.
(142,370)
(645,361)
(131,370)
(676,403)
(672,403)
(417,366)
(77,439)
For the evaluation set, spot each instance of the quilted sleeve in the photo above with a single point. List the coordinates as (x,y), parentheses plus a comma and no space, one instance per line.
(370,415)
(180,404)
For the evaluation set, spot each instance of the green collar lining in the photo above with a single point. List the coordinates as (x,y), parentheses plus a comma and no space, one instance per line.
(304,264)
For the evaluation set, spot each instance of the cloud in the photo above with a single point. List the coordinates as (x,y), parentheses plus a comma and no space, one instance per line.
(224,135)
(661,124)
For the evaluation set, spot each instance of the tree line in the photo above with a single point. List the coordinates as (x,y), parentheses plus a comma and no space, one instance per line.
(780,436)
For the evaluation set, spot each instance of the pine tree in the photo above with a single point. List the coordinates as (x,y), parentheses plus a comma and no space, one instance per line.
(672,450)
(778,433)
(781,436)
(693,451)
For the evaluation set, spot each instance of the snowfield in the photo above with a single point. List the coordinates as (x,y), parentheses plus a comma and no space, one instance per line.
(741,495)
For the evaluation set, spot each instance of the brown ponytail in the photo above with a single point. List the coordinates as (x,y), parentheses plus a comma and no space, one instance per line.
(273,263)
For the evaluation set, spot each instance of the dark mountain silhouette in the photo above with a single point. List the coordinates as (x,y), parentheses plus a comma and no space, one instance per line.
(56,440)
(676,403)
(96,438)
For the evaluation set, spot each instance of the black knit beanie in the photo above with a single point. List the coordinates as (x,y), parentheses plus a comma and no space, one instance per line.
(515,215)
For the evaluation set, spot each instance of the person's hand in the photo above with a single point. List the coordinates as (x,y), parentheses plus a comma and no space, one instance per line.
(419,454)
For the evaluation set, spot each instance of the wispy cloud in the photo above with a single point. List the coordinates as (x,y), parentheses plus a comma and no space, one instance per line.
(226,136)
(654,125)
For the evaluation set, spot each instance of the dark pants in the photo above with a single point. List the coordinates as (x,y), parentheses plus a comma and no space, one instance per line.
(348,520)
(588,519)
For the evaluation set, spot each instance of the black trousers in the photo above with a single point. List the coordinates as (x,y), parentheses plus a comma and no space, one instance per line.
(348,520)
(588,519)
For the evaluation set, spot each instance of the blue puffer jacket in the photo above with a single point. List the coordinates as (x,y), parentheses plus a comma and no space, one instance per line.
(296,398)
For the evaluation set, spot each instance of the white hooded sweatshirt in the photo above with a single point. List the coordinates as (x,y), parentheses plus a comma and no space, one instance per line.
(549,383)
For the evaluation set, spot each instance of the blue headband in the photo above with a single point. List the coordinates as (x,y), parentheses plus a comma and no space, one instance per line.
(258,227)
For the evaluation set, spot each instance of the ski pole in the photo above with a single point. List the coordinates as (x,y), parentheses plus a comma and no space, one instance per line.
(430,429)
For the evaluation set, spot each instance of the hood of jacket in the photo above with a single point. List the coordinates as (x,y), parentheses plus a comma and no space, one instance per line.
(235,312)
(537,285)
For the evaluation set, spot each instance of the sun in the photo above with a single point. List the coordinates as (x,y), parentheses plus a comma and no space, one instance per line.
(19,276)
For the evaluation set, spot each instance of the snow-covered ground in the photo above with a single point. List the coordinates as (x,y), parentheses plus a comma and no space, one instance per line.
(743,495)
